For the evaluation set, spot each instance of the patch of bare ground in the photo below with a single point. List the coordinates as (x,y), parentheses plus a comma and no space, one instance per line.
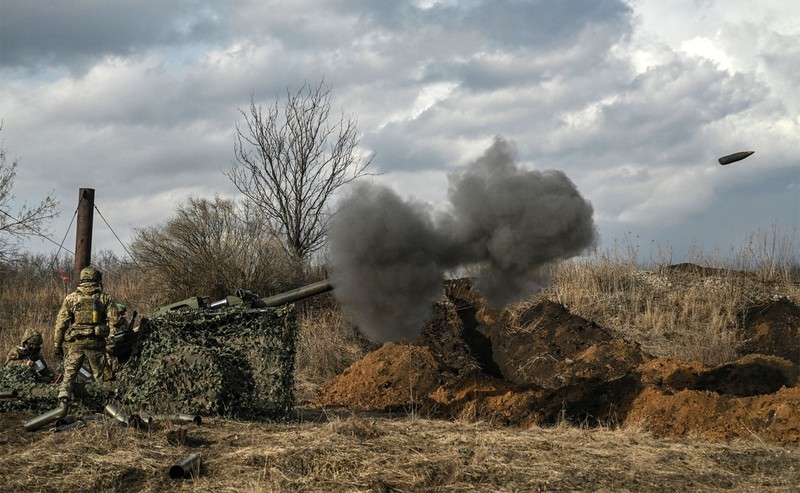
(379,453)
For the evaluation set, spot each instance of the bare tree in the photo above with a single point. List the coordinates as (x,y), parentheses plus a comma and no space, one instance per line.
(211,248)
(27,221)
(289,164)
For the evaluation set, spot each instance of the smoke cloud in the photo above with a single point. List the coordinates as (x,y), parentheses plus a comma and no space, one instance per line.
(390,256)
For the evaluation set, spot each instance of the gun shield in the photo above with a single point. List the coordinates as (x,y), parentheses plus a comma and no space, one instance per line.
(188,467)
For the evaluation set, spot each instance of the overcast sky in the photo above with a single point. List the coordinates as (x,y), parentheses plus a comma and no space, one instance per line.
(634,100)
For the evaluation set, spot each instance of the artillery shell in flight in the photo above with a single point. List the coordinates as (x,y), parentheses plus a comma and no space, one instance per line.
(732,158)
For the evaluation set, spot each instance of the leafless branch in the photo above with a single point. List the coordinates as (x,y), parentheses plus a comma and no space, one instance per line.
(290,162)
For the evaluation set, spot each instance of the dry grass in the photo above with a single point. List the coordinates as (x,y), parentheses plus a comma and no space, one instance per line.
(383,454)
(671,312)
(668,313)
(327,344)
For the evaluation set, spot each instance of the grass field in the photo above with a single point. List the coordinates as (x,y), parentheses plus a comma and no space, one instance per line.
(385,454)
(669,312)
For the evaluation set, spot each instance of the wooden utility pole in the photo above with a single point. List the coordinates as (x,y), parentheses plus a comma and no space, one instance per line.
(83,233)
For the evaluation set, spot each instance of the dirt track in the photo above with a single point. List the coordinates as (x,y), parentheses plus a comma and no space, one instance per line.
(468,363)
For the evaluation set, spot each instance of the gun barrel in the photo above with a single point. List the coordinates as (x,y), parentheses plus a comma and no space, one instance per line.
(298,294)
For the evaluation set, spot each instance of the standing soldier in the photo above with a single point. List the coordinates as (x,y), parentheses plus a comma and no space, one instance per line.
(81,328)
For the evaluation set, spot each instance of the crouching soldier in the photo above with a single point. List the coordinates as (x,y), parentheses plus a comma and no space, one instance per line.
(29,354)
(81,328)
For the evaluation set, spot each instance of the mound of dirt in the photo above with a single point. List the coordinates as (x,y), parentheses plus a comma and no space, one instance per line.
(710,415)
(773,328)
(393,378)
(553,366)
(553,348)
(754,374)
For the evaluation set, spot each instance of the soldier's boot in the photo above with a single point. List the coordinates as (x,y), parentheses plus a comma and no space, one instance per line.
(63,398)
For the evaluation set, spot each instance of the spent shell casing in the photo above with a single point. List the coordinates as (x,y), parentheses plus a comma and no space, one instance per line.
(187,467)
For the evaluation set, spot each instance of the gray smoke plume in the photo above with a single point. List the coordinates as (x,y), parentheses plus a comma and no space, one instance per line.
(390,256)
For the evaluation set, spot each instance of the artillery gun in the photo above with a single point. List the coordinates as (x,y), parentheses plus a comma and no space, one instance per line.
(242,297)
(232,357)
(123,341)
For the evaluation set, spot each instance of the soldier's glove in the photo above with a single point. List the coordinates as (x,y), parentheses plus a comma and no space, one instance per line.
(60,352)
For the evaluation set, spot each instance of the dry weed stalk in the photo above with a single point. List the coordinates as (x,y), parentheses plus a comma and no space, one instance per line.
(690,312)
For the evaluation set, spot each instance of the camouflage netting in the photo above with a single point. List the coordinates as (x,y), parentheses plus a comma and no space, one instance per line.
(41,397)
(30,396)
(235,362)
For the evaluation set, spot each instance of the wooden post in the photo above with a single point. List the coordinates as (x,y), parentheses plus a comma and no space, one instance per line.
(83,233)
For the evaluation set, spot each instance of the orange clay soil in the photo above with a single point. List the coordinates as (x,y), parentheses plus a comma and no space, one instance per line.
(551,366)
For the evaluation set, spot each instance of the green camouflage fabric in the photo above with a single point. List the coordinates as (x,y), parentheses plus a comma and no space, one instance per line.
(234,362)
(34,397)
(30,396)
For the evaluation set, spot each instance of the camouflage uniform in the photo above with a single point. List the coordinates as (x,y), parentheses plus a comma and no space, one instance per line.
(113,365)
(28,353)
(81,328)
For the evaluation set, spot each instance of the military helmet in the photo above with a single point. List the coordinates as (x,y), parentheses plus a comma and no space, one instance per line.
(32,336)
(90,274)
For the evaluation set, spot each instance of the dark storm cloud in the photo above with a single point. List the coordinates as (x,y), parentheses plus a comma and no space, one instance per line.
(400,150)
(740,196)
(501,23)
(390,256)
(543,23)
(68,33)
(502,76)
